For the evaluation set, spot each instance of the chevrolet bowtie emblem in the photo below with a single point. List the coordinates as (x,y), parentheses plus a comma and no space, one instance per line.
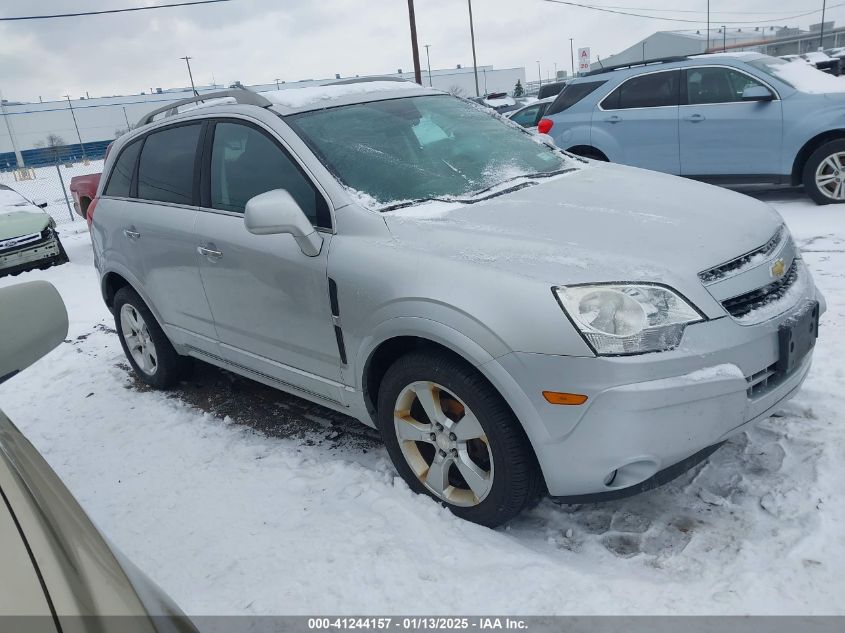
(778,269)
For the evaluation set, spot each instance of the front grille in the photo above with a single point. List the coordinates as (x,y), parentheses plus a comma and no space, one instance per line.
(19,242)
(736,265)
(745,303)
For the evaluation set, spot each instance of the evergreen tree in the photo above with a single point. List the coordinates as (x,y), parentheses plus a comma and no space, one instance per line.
(518,90)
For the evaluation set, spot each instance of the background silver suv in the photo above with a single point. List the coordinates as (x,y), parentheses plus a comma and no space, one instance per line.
(514,320)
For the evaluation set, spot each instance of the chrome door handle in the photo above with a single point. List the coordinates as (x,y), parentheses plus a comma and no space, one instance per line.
(132,235)
(211,254)
(694,118)
(614,119)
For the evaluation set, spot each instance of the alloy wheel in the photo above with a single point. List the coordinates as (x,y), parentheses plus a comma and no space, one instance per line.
(443,443)
(830,176)
(138,341)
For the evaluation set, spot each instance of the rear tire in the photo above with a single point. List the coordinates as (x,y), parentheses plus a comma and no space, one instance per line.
(145,344)
(824,173)
(487,473)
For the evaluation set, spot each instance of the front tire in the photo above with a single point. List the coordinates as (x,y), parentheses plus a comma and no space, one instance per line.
(145,344)
(451,436)
(824,173)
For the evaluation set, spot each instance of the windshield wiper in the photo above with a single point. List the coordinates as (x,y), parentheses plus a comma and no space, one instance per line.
(474,196)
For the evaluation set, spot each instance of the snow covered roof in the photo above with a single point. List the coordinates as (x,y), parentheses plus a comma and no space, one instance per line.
(326,96)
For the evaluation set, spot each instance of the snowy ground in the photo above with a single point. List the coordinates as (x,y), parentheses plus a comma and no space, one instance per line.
(241,500)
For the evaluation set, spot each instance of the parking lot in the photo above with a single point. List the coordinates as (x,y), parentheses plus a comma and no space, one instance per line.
(238,499)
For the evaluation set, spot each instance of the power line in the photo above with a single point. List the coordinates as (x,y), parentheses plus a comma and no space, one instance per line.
(81,13)
(606,9)
(611,6)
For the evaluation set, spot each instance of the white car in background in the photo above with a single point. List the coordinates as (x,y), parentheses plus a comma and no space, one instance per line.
(28,237)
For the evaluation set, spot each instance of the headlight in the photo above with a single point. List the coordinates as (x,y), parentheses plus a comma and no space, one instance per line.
(627,318)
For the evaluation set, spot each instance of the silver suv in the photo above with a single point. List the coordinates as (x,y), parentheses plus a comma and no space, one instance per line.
(514,320)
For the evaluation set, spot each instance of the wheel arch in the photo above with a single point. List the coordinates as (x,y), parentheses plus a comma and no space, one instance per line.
(588,151)
(807,150)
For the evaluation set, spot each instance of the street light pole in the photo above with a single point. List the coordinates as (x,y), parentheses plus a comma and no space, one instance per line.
(472,38)
(428,61)
(277,83)
(539,73)
(18,156)
(821,33)
(190,74)
(414,47)
(708,27)
(78,135)
(572,56)
(724,39)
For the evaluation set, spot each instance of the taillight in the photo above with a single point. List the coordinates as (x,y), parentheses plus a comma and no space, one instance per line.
(89,215)
(545,126)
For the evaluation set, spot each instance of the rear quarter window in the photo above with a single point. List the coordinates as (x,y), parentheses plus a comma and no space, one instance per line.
(572,94)
(120,179)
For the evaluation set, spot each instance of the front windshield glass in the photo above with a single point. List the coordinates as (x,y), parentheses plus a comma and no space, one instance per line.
(425,147)
(770,66)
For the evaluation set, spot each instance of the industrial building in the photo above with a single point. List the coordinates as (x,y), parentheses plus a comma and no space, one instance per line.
(771,40)
(99,120)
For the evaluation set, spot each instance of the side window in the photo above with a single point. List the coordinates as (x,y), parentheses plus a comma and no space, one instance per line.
(166,169)
(716,85)
(527,117)
(646,91)
(246,162)
(120,180)
(572,94)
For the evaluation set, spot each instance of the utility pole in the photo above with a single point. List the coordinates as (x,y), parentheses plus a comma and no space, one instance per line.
(821,34)
(413,19)
(539,73)
(428,60)
(708,27)
(572,56)
(18,156)
(78,135)
(190,74)
(724,39)
(472,38)
(277,83)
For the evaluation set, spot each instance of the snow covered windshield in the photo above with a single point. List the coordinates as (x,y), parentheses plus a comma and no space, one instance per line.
(419,148)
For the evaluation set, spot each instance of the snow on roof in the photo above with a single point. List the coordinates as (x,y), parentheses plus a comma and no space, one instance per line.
(313,95)
(807,78)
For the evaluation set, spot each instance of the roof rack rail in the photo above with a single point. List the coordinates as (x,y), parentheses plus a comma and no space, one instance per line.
(241,96)
(645,62)
(362,80)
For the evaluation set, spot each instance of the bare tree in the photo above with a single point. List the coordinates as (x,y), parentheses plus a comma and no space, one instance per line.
(54,140)
(54,143)
(456,91)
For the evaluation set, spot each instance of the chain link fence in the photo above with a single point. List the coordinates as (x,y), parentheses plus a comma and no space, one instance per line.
(51,185)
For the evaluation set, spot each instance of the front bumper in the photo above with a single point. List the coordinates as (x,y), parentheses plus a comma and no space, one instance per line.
(647,413)
(46,252)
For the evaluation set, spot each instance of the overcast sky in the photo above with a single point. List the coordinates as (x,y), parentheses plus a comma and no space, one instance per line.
(256,41)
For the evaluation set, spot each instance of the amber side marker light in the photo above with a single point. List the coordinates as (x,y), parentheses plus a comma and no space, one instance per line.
(556,397)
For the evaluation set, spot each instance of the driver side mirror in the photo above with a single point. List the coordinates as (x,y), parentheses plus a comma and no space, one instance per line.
(33,320)
(275,212)
(757,93)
